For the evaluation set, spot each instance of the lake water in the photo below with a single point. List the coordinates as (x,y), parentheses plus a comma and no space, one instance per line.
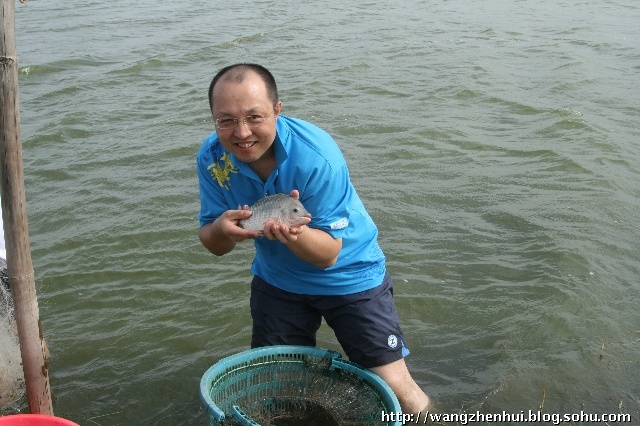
(495,144)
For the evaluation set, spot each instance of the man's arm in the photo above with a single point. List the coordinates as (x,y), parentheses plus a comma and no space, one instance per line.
(221,235)
(309,244)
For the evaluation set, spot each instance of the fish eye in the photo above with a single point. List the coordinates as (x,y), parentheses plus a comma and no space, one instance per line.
(296,210)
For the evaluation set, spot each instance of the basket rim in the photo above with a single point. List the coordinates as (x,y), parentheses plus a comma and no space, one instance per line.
(386,393)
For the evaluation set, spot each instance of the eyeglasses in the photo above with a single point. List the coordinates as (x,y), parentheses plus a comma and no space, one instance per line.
(251,121)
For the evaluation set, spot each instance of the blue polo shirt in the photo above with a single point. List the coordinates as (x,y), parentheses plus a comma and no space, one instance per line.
(307,159)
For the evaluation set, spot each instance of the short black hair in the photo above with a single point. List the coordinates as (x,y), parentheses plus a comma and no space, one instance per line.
(238,72)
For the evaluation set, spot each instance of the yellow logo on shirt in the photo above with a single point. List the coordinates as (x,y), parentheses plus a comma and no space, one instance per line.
(221,173)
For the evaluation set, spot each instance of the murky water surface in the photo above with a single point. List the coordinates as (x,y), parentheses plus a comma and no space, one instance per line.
(493,142)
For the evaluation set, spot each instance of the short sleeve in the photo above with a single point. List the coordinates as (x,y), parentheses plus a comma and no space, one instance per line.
(329,202)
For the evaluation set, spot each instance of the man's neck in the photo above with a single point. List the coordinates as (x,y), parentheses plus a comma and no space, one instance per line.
(265,165)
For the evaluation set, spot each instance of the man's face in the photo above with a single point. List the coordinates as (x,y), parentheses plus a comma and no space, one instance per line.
(239,100)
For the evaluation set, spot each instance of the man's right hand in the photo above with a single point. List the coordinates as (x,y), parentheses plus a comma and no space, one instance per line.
(221,235)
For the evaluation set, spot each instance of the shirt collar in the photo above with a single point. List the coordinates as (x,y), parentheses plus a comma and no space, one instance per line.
(283,140)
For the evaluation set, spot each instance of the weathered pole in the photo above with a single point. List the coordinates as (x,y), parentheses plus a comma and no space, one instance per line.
(16,232)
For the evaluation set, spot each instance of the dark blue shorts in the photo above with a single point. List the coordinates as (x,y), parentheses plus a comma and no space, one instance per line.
(366,323)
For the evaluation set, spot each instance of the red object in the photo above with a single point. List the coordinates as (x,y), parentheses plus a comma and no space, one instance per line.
(34,420)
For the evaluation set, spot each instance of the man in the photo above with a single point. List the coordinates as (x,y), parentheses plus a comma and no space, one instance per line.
(332,267)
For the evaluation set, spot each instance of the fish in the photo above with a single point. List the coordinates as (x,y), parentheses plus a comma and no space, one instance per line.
(282,208)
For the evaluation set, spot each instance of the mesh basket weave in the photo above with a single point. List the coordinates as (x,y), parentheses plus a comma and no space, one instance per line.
(294,385)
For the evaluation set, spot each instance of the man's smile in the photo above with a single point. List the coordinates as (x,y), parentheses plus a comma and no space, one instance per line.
(245,145)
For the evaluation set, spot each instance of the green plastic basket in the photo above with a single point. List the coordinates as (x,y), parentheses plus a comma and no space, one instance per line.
(294,385)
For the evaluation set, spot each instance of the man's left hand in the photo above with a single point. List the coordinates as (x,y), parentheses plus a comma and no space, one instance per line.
(281,232)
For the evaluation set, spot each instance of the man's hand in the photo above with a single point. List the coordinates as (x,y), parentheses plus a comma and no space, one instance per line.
(295,194)
(228,225)
(221,236)
(281,232)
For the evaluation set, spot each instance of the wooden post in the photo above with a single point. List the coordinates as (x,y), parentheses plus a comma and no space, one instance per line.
(14,213)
